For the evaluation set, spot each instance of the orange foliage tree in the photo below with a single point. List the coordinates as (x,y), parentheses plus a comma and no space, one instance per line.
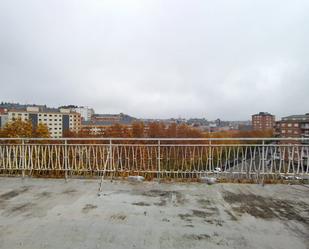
(138,129)
(41,131)
(23,129)
(17,128)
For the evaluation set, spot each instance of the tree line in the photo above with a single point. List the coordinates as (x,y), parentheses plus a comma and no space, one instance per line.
(25,129)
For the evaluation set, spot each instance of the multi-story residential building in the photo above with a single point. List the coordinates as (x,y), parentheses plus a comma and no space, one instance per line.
(58,121)
(293,126)
(263,121)
(3,117)
(112,118)
(3,111)
(101,122)
(3,120)
(85,112)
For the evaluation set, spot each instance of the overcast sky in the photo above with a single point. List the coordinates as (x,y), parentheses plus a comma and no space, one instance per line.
(158,58)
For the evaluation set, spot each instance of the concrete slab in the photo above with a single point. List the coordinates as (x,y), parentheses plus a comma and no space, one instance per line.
(50,213)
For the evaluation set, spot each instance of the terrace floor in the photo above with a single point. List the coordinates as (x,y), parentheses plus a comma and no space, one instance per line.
(51,213)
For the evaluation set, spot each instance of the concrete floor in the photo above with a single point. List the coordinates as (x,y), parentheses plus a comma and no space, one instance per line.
(45,213)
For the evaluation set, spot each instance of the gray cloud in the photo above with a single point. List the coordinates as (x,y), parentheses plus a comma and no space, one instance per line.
(153,58)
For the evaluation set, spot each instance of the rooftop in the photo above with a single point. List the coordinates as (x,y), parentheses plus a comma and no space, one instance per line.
(105,123)
(41,110)
(262,114)
(50,213)
(297,117)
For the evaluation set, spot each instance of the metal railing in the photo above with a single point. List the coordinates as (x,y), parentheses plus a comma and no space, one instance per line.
(247,158)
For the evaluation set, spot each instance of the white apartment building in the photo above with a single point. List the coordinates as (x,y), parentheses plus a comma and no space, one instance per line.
(57,121)
(85,112)
(3,120)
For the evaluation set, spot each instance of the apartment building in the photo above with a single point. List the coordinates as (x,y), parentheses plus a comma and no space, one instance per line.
(3,117)
(263,121)
(58,121)
(113,118)
(85,112)
(293,126)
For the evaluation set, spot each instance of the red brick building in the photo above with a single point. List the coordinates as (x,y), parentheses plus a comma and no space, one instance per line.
(3,111)
(263,121)
(293,126)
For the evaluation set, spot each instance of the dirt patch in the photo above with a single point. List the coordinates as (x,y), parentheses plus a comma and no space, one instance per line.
(200,214)
(141,203)
(204,203)
(44,194)
(88,207)
(195,214)
(232,216)
(69,191)
(118,217)
(174,197)
(215,222)
(208,206)
(11,194)
(267,208)
(157,193)
(189,225)
(19,209)
(197,236)
(185,217)
(162,203)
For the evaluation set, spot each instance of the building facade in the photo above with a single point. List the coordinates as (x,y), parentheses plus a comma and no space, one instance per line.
(58,121)
(120,118)
(3,117)
(99,123)
(85,112)
(294,126)
(263,121)
(3,120)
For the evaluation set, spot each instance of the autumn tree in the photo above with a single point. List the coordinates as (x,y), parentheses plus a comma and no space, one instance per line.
(114,131)
(162,129)
(154,130)
(182,131)
(126,131)
(138,129)
(41,131)
(171,130)
(17,128)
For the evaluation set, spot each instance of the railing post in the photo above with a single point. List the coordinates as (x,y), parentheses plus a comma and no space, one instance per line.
(66,159)
(210,155)
(263,160)
(23,157)
(159,160)
(111,157)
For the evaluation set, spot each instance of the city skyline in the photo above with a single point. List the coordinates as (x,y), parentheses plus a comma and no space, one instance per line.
(93,110)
